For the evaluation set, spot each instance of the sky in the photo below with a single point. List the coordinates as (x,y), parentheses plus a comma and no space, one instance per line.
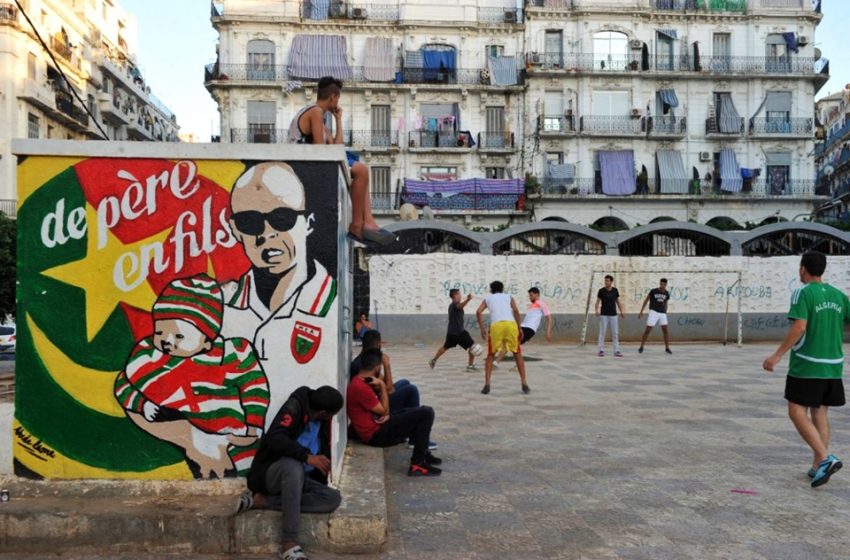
(176,41)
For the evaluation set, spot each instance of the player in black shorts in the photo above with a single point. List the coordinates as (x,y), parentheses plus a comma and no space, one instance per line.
(456,335)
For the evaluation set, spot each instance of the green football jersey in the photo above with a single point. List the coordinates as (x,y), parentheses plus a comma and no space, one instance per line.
(819,353)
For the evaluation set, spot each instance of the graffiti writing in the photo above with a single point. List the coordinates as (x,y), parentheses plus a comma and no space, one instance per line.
(556,291)
(766,323)
(747,292)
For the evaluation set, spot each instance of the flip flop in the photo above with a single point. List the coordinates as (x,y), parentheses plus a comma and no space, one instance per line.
(380,236)
(294,553)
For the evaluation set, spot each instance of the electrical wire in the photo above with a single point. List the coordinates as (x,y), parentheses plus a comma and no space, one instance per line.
(61,72)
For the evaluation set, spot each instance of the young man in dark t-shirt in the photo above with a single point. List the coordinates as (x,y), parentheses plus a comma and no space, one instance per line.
(607,303)
(456,334)
(657,298)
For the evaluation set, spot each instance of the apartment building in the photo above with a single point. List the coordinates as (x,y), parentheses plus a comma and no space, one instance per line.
(94,44)
(619,112)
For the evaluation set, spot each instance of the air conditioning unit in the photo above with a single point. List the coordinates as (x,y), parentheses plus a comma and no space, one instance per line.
(510,16)
(636,44)
(802,40)
(358,13)
(705,156)
(536,58)
(635,113)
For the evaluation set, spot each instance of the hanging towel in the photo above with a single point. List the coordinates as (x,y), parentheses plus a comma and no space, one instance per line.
(503,70)
(730,172)
(314,56)
(671,171)
(618,172)
(379,63)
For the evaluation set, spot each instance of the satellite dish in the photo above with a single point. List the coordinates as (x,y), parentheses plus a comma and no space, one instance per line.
(828,170)
(818,54)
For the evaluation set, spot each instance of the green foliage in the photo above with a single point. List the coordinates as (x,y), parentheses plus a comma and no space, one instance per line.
(607,227)
(843,225)
(7,265)
(532,185)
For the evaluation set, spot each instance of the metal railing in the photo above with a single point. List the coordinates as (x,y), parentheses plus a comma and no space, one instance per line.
(791,127)
(61,48)
(611,124)
(585,62)
(246,72)
(495,141)
(577,186)
(790,4)
(757,65)
(448,76)
(341,10)
(383,200)
(258,135)
(800,188)
(371,139)
(435,139)
(588,186)
(667,126)
(66,106)
(734,6)
(712,126)
(556,124)
(500,15)
(8,12)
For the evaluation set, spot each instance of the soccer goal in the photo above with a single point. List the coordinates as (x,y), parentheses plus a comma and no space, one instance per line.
(693,293)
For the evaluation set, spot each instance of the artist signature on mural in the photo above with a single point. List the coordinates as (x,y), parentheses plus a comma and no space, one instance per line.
(36,448)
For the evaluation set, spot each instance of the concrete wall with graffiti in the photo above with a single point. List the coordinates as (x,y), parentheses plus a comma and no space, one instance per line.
(409,293)
(170,298)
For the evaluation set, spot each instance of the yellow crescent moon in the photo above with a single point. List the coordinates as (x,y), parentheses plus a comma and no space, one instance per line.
(91,388)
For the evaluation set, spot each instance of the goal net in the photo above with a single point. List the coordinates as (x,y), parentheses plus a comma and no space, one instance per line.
(704,304)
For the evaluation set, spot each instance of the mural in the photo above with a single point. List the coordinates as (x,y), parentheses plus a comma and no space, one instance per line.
(166,310)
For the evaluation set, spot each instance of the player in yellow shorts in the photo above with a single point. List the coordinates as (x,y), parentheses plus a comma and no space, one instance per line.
(504,332)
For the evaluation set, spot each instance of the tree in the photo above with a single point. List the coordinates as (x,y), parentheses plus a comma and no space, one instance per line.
(8,265)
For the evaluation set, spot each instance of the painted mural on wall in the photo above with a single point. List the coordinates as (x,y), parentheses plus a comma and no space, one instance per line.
(166,310)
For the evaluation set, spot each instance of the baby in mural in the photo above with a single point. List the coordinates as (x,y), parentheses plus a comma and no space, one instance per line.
(189,386)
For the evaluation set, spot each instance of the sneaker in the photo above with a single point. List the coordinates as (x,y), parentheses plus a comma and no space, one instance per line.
(495,365)
(826,469)
(526,389)
(423,469)
(432,460)
(485,390)
(432,363)
(668,350)
(473,367)
(812,472)
(431,445)
(600,353)
(618,354)
(640,350)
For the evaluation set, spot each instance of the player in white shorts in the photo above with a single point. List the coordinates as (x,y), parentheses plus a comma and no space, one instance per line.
(657,298)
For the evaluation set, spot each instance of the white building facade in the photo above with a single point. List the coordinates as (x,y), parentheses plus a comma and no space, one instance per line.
(623,112)
(94,45)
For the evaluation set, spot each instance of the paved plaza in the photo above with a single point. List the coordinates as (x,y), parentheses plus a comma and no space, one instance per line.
(634,457)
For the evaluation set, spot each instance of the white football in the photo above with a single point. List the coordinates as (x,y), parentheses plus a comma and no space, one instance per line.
(476,349)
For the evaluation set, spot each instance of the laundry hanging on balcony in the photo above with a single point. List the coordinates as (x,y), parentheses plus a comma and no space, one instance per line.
(730,172)
(503,70)
(728,119)
(671,172)
(319,9)
(465,194)
(791,41)
(668,99)
(379,63)
(561,173)
(618,172)
(438,65)
(314,56)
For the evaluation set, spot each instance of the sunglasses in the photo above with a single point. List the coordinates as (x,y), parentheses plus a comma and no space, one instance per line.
(252,222)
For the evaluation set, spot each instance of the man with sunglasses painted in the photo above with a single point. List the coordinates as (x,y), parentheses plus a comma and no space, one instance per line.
(308,127)
(278,305)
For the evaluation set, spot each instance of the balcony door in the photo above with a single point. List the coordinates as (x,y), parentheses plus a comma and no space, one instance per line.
(778,55)
(554,49)
(721,52)
(611,51)
(260,60)
(381,129)
(261,122)
(494,135)
(553,111)
(611,110)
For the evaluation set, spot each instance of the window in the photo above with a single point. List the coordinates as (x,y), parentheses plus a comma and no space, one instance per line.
(554,158)
(664,51)
(381,134)
(778,172)
(261,60)
(554,49)
(778,55)
(611,103)
(721,52)
(494,50)
(32,67)
(435,173)
(381,187)
(610,50)
(494,172)
(261,122)
(494,133)
(553,111)
(49,131)
(32,126)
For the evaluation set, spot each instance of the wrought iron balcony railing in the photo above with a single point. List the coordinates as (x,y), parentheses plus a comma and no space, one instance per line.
(500,15)
(371,139)
(712,126)
(495,141)
(734,6)
(245,72)
(667,126)
(383,200)
(343,10)
(436,139)
(60,48)
(258,135)
(448,76)
(758,65)
(66,106)
(789,127)
(793,188)
(608,124)
(556,124)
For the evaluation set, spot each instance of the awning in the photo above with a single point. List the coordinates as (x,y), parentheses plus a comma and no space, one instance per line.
(728,118)
(618,172)
(671,171)
(379,63)
(314,56)
(669,33)
(668,97)
(778,101)
(503,70)
(730,172)
(777,158)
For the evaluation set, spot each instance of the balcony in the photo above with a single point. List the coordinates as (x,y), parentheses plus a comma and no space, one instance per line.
(369,140)
(713,128)
(466,76)
(70,115)
(343,10)
(40,94)
(112,110)
(496,142)
(429,140)
(613,126)
(711,6)
(139,128)
(788,188)
(258,135)
(667,127)
(274,73)
(8,13)
(500,15)
(757,65)
(591,188)
(556,125)
(799,5)
(583,62)
(786,128)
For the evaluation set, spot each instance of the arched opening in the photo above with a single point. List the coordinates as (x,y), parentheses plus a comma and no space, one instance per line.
(786,242)
(662,219)
(554,219)
(423,241)
(611,51)
(674,243)
(549,242)
(261,60)
(609,223)
(724,223)
(772,220)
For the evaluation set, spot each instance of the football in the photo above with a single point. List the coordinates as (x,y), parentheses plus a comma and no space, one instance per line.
(476,349)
